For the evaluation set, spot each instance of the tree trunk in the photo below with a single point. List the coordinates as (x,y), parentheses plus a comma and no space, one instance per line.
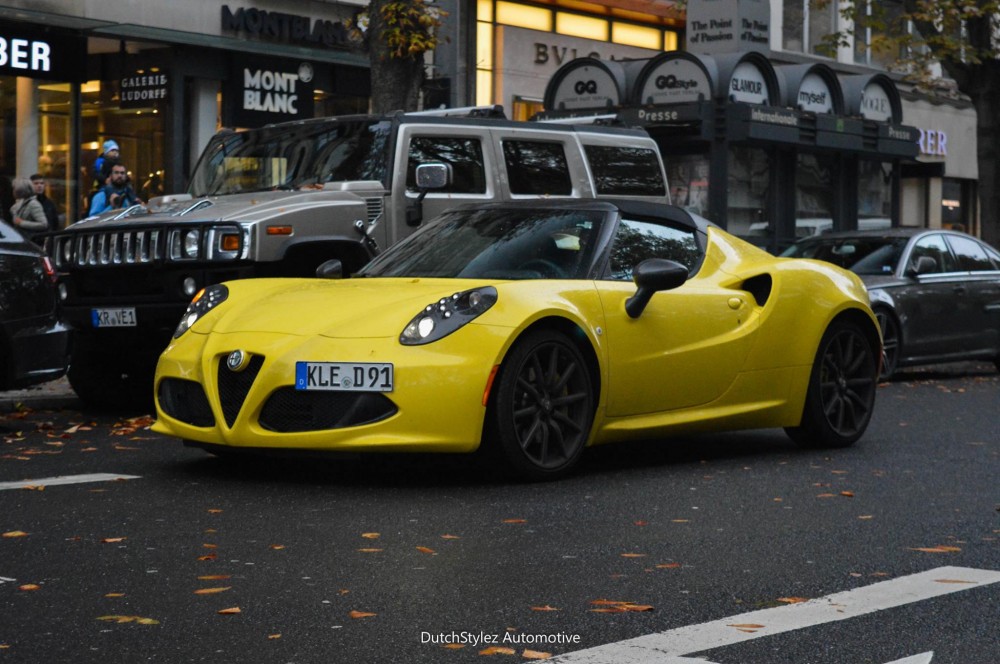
(985,95)
(395,81)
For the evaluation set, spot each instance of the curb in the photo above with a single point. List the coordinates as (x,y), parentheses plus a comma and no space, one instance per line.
(54,395)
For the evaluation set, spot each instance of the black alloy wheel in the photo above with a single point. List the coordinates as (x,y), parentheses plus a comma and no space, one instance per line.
(841,392)
(890,342)
(542,407)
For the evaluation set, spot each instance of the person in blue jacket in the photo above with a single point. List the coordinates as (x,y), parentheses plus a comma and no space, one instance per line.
(116,194)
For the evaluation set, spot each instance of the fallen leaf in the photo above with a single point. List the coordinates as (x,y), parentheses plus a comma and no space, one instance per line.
(866,517)
(370,535)
(113,540)
(210,556)
(534,654)
(211,591)
(128,619)
(826,495)
(847,494)
(642,523)
(361,614)
(450,537)
(952,581)
(214,577)
(746,626)
(32,487)
(937,549)
(215,511)
(274,636)
(668,566)
(15,533)
(210,546)
(230,611)
(633,555)
(454,646)
(515,521)
(497,650)
(369,550)
(424,549)
(680,520)
(793,600)
(115,595)
(614,606)
(277,547)
(29,587)
(544,608)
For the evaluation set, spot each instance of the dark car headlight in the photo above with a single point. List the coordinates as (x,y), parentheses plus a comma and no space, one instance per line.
(204,301)
(441,318)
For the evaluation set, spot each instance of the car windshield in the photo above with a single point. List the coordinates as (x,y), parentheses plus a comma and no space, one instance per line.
(497,244)
(861,255)
(289,157)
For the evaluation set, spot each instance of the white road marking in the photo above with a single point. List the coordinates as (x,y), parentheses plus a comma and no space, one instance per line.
(66,479)
(4,579)
(663,646)
(923,658)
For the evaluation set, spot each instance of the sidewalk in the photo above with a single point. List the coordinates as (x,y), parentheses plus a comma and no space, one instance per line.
(53,395)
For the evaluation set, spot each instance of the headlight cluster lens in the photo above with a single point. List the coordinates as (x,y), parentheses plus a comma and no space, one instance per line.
(185,244)
(441,318)
(206,300)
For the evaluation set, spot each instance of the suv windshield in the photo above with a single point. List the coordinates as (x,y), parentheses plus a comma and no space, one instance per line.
(289,157)
(861,255)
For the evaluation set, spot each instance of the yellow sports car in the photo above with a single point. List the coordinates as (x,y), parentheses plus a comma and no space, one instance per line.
(531,330)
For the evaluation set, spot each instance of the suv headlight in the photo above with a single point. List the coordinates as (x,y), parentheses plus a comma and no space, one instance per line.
(441,318)
(204,301)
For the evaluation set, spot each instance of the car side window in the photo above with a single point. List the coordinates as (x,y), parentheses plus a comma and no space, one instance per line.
(464,155)
(537,168)
(971,255)
(637,240)
(933,246)
(625,171)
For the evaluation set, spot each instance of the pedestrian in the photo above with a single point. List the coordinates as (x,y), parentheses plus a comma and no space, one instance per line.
(48,205)
(27,212)
(116,194)
(102,165)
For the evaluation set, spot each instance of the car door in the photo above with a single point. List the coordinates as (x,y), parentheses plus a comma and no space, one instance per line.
(687,346)
(932,306)
(982,291)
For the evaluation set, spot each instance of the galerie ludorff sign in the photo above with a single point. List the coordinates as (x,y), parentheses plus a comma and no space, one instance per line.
(143,89)
(728,26)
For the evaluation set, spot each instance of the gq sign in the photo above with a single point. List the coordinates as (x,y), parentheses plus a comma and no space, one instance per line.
(265,91)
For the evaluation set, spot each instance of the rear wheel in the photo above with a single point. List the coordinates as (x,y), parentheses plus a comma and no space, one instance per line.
(542,407)
(841,392)
(891,345)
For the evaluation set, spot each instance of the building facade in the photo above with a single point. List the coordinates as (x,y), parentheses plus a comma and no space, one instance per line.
(159,79)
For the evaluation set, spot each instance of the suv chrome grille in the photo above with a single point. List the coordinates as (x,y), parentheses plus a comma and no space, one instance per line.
(120,247)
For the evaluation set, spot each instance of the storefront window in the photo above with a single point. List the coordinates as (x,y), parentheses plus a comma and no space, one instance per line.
(749,170)
(139,132)
(874,191)
(813,194)
(688,178)
(35,137)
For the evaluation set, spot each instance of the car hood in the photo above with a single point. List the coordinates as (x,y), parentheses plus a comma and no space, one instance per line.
(348,308)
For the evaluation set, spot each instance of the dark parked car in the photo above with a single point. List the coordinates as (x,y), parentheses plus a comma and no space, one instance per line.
(33,339)
(936,293)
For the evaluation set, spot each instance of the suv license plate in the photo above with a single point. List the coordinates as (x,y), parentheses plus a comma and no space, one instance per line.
(344,376)
(123,317)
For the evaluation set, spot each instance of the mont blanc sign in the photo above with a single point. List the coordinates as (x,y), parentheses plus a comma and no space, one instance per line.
(263,91)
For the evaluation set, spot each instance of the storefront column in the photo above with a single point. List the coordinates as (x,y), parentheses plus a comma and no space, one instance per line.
(177,130)
(204,116)
(27,127)
(781,208)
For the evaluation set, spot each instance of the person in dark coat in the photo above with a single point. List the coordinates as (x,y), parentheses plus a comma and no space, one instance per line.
(48,206)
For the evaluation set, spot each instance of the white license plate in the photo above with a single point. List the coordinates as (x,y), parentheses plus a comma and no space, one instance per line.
(344,376)
(123,317)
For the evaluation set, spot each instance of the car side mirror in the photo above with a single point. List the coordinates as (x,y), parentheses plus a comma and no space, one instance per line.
(331,269)
(923,265)
(428,176)
(652,276)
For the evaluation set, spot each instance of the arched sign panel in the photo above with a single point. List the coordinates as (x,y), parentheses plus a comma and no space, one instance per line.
(586,84)
(875,103)
(749,85)
(671,78)
(815,95)
(873,97)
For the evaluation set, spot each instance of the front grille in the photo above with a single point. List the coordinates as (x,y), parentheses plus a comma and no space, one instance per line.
(184,400)
(289,410)
(234,386)
(120,247)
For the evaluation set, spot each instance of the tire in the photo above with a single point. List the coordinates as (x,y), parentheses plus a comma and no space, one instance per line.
(109,380)
(841,392)
(891,343)
(541,407)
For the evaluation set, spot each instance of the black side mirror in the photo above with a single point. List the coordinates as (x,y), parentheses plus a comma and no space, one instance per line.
(651,276)
(923,265)
(331,269)
(428,176)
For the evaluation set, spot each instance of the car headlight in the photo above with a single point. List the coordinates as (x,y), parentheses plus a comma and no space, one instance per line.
(204,301)
(441,318)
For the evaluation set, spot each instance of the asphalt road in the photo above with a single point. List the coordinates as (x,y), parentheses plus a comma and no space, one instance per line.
(200,559)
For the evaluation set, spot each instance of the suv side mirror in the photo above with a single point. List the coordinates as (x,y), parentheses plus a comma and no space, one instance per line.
(651,276)
(428,176)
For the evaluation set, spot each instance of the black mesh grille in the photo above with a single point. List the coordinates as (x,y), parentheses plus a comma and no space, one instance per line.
(234,385)
(184,400)
(289,410)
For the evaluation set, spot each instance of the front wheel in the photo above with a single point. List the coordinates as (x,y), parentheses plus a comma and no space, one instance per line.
(841,392)
(542,407)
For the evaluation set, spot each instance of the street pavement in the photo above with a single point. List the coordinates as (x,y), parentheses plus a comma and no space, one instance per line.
(53,395)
